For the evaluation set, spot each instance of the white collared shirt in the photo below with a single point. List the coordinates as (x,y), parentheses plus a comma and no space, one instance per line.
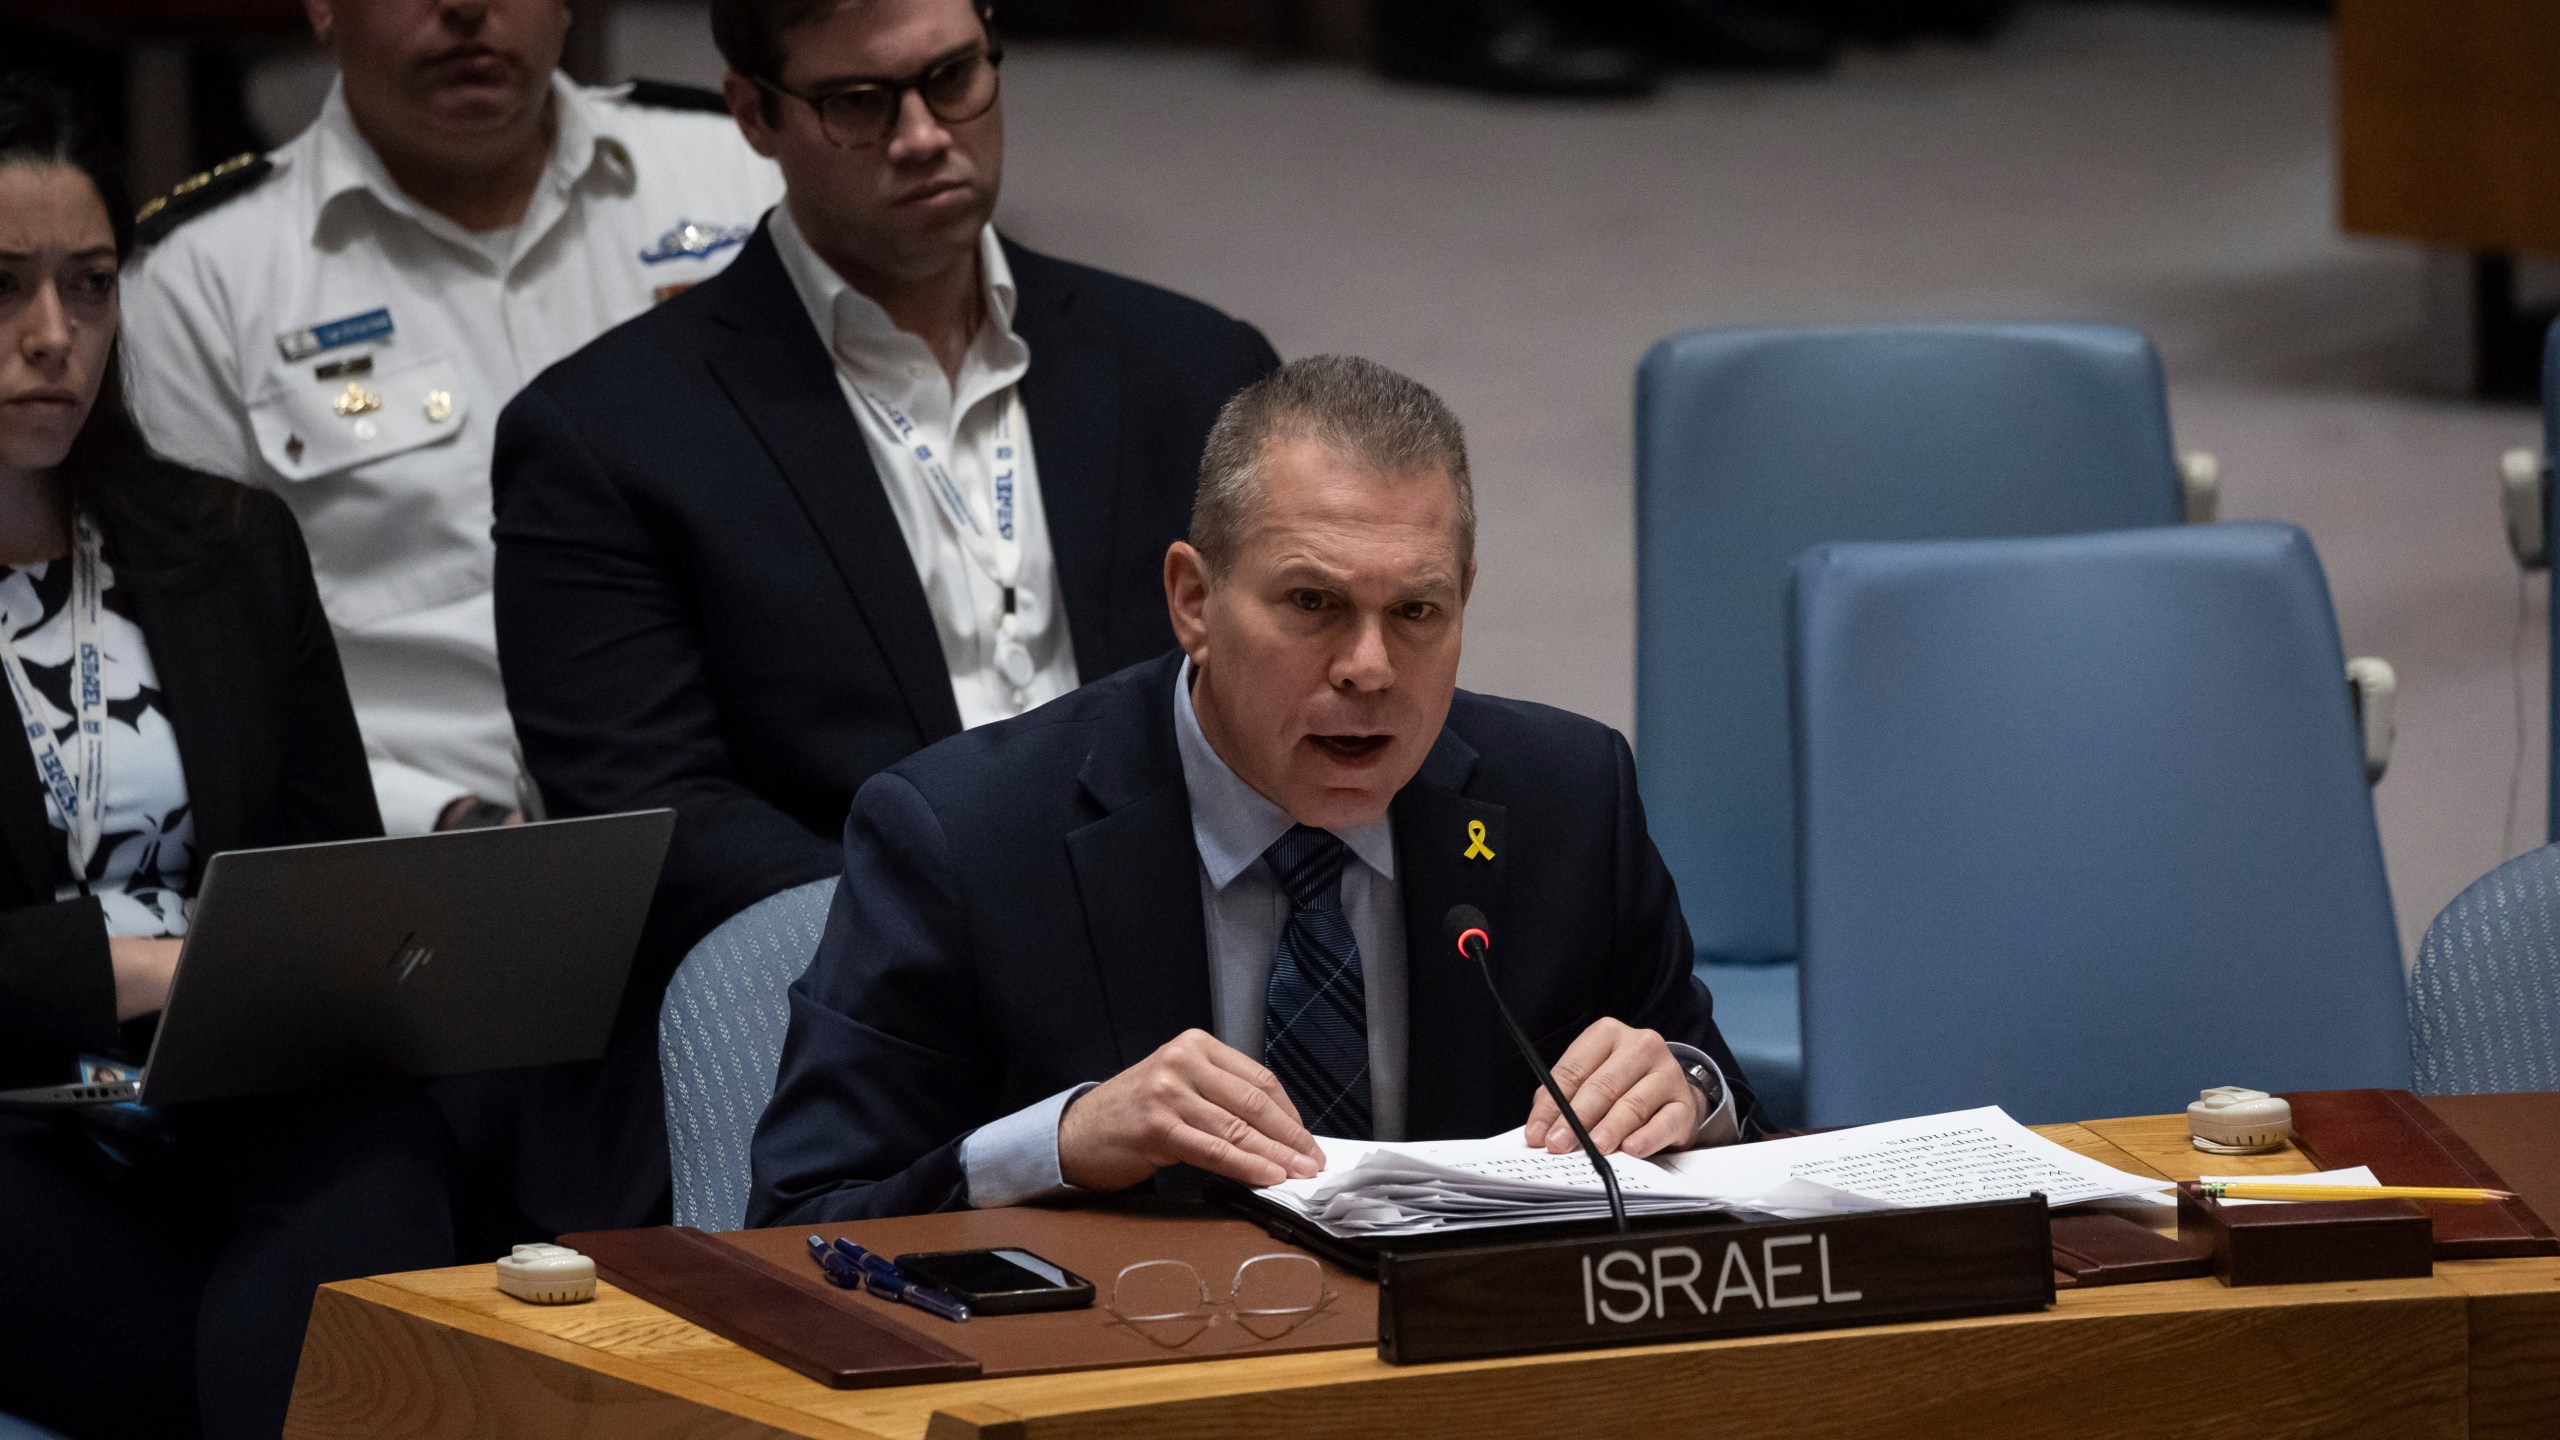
(967,423)
(229,323)
(1234,826)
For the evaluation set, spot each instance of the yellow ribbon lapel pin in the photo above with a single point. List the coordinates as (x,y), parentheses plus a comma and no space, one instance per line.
(1476,848)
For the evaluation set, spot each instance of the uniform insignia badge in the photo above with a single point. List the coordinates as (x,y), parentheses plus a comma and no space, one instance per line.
(1476,848)
(356,400)
(198,194)
(693,239)
(439,405)
(297,345)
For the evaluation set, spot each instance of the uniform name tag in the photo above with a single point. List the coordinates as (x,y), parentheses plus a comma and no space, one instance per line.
(353,330)
(693,239)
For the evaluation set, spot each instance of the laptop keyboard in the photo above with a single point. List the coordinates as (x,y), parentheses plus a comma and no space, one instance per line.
(113,1092)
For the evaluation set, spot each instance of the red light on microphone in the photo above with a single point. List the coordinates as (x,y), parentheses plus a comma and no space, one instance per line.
(1466,927)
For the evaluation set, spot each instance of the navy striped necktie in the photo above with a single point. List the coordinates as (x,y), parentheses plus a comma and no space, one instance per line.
(1315,1017)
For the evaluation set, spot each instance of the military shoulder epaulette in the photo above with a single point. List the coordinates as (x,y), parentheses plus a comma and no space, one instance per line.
(197,194)
(667,95)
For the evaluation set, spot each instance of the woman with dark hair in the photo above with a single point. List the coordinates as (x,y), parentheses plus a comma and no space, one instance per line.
(177,692)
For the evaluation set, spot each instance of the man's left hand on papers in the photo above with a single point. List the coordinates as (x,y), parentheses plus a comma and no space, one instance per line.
(1628,1088)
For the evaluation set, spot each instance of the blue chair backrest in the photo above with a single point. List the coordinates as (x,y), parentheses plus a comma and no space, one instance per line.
(2085,828)
(720,1043)
(2551,539)
(1754,444)
(2484,1001)
(13,1428)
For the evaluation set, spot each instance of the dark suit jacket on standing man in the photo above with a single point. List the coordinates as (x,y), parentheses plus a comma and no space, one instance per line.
(1020,912)
(704,600)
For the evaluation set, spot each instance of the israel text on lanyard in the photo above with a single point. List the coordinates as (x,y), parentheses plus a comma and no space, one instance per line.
(995,548)
(80,796)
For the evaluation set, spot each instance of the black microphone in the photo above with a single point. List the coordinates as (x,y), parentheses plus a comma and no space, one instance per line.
(1465,928)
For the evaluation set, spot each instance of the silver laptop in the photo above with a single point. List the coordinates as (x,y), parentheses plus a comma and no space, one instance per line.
(417,955)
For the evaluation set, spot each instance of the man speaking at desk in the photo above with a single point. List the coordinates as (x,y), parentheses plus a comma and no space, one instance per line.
(1192,913)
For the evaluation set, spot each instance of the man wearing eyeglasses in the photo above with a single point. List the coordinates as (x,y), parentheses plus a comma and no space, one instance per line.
(888,477)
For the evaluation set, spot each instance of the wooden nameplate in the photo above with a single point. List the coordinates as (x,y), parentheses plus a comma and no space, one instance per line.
(2299,1242)
(1711,1281)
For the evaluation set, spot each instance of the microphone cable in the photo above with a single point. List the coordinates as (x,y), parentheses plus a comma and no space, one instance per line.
(1467,924)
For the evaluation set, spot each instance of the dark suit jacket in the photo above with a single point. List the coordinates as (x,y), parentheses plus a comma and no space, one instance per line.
(249,677)
(704,602)
(703,598)
(1020,911)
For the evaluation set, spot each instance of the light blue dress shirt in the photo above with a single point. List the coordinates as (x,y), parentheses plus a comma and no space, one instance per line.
(1016,1158)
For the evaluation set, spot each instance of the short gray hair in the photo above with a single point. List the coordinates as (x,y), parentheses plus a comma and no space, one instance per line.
(1360,408)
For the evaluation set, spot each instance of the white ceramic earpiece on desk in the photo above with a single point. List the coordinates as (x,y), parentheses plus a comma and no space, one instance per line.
(2231,1120)
(548,1275)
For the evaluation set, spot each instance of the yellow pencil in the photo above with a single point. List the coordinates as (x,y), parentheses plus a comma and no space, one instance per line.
(2277,1189)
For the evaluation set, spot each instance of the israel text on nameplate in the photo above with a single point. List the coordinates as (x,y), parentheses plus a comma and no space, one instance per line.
(1713,1281)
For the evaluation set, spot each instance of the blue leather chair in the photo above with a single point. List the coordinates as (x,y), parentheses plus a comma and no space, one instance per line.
(13,1428)
(720,1044)
(1754,444)
(2484,1001)
(2085,828)
(2539,523)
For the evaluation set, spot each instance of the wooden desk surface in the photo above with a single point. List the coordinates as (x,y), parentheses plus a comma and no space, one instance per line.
(2449,123)
(2472,1351)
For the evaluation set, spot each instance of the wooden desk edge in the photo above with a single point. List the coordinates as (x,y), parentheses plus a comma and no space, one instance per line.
(339,1341)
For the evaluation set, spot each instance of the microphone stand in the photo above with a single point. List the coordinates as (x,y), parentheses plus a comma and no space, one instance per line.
(1608,1177)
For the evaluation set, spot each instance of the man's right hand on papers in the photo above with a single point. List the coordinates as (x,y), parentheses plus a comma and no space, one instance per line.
(1196,1101)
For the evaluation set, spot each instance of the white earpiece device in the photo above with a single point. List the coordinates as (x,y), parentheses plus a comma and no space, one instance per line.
(547,1275)
(2231,1120)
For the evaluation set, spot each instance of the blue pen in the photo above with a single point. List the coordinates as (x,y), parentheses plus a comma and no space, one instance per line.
(883,1278)
(841,1271)
(887,1283)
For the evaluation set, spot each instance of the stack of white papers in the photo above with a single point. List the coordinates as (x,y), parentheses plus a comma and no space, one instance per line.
(1411,1188)
(1419,1188)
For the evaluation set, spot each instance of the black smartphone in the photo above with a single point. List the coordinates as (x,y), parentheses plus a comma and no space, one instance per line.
(1000,1282)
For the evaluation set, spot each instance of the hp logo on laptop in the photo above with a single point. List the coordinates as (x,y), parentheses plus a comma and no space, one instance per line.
(409,958)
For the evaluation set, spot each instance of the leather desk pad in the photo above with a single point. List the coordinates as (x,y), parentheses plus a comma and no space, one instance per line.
(2407,1142)
(690,1274)
(2518,1136)
(1094,1240)
(2096,1248)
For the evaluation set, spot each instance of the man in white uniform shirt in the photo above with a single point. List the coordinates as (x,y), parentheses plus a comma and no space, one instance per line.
(342,321)
(888,476)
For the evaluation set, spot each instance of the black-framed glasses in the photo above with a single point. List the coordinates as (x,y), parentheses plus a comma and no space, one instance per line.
(865,114)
